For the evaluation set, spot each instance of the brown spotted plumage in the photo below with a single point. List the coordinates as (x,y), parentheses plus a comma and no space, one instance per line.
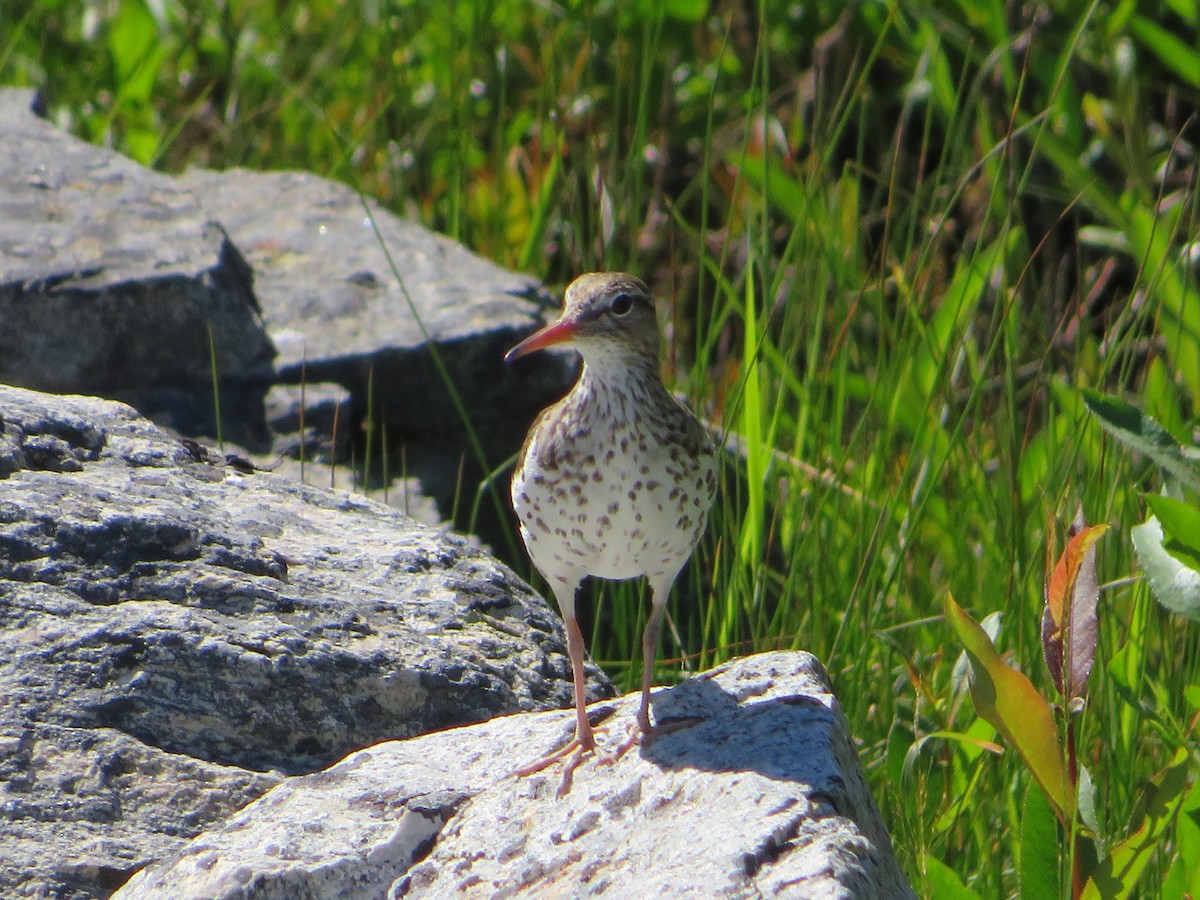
(616,479)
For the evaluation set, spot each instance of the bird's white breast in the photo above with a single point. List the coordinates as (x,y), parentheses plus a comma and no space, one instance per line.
(618,492)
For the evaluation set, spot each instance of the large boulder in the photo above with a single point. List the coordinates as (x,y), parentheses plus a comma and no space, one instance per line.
(115,280)
(175,282)
(215,615)
(754,790)
(354,295)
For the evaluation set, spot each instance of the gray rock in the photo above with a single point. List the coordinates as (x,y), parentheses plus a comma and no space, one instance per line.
(145,265)
(756,792)
(83,809)
(239,619)
(114,279)
(337,311)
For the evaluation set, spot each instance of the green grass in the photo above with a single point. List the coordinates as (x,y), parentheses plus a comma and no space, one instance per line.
(891,241)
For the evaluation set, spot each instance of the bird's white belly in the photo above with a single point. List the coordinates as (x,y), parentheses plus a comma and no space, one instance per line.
(624,506)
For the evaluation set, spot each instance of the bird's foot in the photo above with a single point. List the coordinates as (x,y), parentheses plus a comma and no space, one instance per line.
(572,746)
(635,738)
(574,752)
(640,734)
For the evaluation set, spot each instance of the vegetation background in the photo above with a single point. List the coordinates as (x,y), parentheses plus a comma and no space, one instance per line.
(891,240)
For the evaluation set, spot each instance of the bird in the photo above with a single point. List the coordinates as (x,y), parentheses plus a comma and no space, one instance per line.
(615,480)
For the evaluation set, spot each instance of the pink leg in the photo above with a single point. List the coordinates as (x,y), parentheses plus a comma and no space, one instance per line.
(649,651)
(583,728)
(585,740)
(643,730)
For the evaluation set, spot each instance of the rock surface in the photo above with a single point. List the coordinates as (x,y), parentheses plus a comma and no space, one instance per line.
(93,244)
(756,792)
(339,313)
(161,272)
(83,808)
(237,619)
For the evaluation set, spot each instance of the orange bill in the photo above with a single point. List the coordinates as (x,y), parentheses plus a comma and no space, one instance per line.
(559,333)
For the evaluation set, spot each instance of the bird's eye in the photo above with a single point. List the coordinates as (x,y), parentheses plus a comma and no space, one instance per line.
(621,305)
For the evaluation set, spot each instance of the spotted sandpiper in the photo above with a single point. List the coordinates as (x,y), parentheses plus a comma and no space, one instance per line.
(616,479)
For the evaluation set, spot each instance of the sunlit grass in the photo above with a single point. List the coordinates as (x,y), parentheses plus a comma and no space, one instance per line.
(890,242)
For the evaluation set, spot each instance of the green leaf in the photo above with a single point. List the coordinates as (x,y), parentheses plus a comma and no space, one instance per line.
(1191,694)
(899,739)
(915,748)
(1183,878)
(1161,398)
(1118,874)
(137,50)
(1176,586)
(942,882)
(1007,699)
(1040,848)
(778,187)
(132,35)
(1131,426)
(687,10)
(1086,793)
(1188,10)
(1180,521)
(935,77)
(1177,55)
(681,10)
(142,144)
(961,676)
(1181,882)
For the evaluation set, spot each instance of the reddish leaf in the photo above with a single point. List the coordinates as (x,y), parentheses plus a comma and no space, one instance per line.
(1081,620)
(1067,569)
(1069,617)
(1010,704)
(1052,648)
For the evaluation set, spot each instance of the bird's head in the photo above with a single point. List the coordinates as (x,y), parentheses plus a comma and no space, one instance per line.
(607,317)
